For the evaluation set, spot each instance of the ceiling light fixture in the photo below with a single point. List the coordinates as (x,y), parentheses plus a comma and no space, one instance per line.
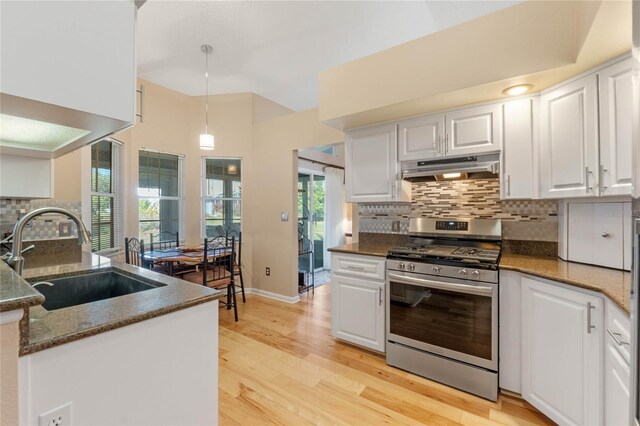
(206,139)
(518,89)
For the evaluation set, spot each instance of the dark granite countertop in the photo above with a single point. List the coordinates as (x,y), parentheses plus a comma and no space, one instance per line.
(42,329)
(367,249)
(15,293)
(615,284)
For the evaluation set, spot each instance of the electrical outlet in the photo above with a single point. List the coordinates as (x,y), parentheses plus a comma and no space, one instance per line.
(268,271)
(395,226)
(60,416)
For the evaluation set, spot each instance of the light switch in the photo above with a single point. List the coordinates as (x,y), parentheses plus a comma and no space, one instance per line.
(284,216)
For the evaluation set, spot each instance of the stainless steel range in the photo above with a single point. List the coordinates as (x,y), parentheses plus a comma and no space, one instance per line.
(442,303)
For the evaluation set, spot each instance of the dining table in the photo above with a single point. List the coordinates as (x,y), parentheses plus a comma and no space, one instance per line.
(189,255)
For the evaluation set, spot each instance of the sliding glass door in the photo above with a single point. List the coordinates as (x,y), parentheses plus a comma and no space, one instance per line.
(311,220)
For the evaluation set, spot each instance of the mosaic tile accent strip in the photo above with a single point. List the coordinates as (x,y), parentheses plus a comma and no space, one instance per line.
(527,220)
(380,218)
(46,227)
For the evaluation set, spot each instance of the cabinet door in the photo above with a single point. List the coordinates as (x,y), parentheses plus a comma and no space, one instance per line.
(617,378)
(562,347)
(14,171)
(510,332)
(473,130)
(371,164)
(358,311)
(596,234)
(616,118)
(569,140)
(421,138)
(517,150)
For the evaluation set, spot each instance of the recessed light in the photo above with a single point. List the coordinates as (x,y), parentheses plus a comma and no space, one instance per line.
(518,89)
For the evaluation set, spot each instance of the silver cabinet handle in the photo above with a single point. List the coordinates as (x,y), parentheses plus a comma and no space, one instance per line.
(140,114)
(589,326)
(509,185)
(605,235)
(586,178)
(380,295)
(355,268)
(446,143)
(601,181)
(616,338)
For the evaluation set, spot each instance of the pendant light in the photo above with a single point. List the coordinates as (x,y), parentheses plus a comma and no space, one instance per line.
(206,139)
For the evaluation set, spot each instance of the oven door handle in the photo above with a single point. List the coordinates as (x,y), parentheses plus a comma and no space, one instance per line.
(459,288)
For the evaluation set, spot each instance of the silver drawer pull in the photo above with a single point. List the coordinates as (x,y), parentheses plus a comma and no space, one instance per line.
(356,268)
(589,326)
(616,337)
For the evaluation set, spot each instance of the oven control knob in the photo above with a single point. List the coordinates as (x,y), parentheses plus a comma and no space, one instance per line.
(475,275)
(463,272)
(411,267)
(400,265)
(436,269)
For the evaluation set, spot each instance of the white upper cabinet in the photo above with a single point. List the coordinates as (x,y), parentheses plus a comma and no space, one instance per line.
(421,138)
(616,117)
(569,140)
(473,130)
(518,149)
(596,234)
(69,66)
(562,368)
(371,167)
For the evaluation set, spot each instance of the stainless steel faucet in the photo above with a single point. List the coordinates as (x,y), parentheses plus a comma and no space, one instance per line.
(15,260)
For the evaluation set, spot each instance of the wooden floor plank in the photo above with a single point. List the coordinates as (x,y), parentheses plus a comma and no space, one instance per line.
(280,365)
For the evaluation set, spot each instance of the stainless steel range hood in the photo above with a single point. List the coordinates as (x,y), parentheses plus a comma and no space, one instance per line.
(438,169)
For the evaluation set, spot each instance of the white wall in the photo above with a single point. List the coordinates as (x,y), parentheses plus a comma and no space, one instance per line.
(160,371)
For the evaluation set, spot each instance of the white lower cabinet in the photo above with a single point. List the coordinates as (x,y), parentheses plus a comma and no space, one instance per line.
(617,372)
(565,350)
(562,341)
(358,305)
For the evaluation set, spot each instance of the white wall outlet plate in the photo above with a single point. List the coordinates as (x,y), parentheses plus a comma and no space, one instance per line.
(284,216)
(60,416)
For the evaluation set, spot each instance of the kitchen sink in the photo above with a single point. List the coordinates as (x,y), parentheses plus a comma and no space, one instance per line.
(92,287)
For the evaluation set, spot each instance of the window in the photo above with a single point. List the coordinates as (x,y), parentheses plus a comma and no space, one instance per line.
(106,213)
(222,189)
(159,194)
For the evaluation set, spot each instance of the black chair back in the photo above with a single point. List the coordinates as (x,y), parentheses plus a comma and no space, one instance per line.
(218,260)
(134,251)
(164,240)
(238,239)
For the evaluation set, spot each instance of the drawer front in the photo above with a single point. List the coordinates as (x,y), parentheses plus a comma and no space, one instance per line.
(359,266)
(617,329)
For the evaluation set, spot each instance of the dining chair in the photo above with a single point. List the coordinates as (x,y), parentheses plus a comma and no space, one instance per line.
(217,270)
(164,240)
(237,267)
(134,252)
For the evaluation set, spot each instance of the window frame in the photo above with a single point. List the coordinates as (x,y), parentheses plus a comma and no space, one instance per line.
(117,185)
(180,197)
(203,191)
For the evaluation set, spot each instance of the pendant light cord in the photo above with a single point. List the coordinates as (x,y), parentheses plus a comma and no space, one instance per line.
(206,93)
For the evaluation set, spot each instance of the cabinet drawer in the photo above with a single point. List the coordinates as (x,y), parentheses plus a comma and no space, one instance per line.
(617,327)
(359,266)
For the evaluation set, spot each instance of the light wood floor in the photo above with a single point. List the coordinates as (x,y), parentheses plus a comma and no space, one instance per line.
(280,365)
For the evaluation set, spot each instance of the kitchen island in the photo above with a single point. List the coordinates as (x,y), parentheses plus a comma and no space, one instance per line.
(148,357)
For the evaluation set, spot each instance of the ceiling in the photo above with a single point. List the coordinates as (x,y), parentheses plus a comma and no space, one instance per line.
(277,49)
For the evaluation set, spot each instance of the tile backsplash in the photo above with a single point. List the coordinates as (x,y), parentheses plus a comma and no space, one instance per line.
(532,220)
(45,227)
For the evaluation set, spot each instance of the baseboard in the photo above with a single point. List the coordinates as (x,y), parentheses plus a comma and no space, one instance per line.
(274,296)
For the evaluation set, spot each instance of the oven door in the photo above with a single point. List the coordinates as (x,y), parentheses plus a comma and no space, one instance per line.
(452,318)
